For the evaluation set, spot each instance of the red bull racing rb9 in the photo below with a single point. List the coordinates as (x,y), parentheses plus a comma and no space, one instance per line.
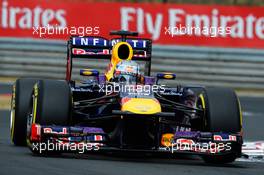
(125,108)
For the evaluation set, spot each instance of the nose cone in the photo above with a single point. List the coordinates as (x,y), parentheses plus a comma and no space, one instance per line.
(141,105)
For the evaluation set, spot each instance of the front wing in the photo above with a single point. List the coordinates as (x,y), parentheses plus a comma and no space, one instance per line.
(91,139)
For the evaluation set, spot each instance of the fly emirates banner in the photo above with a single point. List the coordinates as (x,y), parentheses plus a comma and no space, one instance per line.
(166,24)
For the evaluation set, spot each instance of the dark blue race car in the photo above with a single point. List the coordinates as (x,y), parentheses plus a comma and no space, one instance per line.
(125,108)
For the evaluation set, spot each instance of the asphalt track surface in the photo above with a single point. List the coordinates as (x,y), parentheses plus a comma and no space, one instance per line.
(19,160)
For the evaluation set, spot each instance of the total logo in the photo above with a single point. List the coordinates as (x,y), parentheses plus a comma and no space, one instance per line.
(167,139)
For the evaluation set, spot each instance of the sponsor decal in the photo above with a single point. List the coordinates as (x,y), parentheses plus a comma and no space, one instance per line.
(21,15)
(89,41)
(135,43)
(55,131)
(186,134)
(98,138)
(35,132)
(167,139)
(225,137)
(77,51)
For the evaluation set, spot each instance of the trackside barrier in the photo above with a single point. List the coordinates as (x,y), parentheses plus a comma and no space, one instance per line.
(236,68)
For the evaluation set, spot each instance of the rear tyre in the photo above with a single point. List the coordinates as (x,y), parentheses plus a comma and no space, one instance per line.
(222,114)
(21,96)
(51,105)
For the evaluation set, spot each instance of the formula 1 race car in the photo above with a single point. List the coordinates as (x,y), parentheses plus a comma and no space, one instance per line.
(125,108)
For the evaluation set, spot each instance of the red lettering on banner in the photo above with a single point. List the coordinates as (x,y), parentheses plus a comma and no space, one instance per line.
(19,15)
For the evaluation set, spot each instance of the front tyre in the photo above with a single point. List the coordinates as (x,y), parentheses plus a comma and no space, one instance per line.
(21,95)
(51,105)
(222,114)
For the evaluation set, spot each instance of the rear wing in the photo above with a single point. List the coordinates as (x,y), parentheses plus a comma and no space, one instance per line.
(90,47)
(99,47)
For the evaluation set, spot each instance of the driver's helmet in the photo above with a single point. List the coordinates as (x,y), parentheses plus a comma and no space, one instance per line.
(126,72)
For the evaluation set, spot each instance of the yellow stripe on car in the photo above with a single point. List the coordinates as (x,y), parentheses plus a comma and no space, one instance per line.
(35,101)
(202,100)
(203,106)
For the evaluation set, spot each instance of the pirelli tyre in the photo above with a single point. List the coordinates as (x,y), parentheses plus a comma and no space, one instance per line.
(51,105)
(21,95)
(222,114)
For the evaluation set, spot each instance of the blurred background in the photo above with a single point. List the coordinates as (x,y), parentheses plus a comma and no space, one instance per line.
(234,59)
